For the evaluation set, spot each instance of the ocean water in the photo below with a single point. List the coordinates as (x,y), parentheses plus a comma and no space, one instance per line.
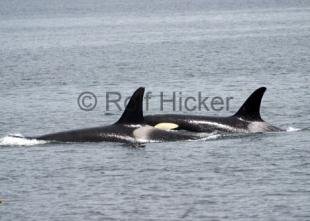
(51,51)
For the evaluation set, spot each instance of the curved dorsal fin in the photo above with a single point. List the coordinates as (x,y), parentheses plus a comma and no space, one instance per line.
(250,110)
(133,112)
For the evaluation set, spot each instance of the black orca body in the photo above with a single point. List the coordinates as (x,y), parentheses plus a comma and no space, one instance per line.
(246,120)
(130,128)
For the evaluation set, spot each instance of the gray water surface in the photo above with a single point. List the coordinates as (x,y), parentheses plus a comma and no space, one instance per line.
(50,52)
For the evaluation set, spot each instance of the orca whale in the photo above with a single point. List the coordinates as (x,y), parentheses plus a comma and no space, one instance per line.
(130,128)
(246,120)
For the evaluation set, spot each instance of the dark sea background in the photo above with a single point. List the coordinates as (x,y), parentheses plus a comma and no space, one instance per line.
(51,51)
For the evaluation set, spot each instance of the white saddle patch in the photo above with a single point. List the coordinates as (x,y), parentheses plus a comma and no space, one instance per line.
(255,127)
(142,134)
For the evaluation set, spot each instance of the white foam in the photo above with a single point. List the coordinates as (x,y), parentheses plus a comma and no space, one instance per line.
(19,140)
(214,136)
(292,129)
(209,136)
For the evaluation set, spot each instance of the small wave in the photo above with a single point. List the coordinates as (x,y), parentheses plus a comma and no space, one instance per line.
(213,136)
(19,140)
(209,136)
(292,129)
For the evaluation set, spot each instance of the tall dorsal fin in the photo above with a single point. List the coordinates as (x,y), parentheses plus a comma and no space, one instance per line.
(250,110)
(133,112)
